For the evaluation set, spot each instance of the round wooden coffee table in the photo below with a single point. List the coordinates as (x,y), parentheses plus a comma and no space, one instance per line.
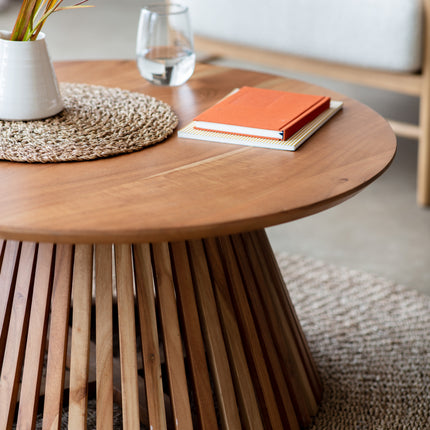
(164,250)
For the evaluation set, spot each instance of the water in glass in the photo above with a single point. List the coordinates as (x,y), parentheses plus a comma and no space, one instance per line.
(164,49)
(166,65)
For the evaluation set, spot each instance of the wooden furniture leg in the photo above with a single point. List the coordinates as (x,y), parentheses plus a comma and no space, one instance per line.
(58,338)
(104,336)
(80,352)
(19,314)
(208,336)
(36,338)
(423,176)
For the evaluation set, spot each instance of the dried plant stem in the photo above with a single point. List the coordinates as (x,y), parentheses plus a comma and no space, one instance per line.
(33,15)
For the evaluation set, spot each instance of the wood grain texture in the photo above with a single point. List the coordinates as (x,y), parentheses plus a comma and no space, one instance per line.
(245,388)
(183,189)
(263,247)
(127,337)
(221,344)
(212,331)
(423,173)
(9,267)
(149,336)
(283,325)
(14,350)
(248,267)
(104,336)
(80,348)
(36,340)
(172,340)
(254,351)
(58,338)
(193,338)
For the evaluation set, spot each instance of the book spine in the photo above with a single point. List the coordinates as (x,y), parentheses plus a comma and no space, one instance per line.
(300,122)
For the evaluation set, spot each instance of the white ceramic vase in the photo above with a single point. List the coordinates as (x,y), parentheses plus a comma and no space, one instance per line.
(28,85)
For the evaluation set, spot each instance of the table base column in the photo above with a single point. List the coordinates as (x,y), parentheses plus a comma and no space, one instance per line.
(183,335)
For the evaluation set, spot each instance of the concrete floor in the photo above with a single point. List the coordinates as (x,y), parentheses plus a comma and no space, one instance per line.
(381,230)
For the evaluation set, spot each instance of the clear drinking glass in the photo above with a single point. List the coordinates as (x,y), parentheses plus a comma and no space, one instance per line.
(164,49)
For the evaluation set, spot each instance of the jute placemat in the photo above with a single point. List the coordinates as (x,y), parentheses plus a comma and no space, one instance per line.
(370,339)
(97,122)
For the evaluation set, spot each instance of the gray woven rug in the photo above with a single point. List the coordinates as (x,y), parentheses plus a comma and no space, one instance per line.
(371,341)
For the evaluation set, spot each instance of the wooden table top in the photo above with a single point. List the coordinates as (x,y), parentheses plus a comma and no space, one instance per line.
(182,189)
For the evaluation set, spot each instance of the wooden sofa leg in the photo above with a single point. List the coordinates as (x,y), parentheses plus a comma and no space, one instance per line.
(423,177)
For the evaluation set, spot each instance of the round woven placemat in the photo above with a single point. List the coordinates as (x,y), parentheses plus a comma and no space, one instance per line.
(370,339)
(97,122)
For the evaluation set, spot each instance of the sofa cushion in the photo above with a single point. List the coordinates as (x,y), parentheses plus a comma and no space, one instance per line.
(383,34)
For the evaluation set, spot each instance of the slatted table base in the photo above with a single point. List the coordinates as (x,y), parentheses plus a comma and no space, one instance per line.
(208,336)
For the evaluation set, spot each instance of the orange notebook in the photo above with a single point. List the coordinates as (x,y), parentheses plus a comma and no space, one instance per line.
(261,112)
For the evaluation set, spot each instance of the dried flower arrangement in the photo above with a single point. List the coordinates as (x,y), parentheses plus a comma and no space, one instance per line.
(33,15)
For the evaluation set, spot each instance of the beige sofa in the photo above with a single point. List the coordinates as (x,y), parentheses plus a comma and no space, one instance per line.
(377,43)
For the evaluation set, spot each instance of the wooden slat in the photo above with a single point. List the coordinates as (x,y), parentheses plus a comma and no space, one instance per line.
(36,339)
(104,336)
(79,363)
(14,351)
(2,246)
(283,397)
(254,352)
(250,411)
(58,336)
(193,338)
(149,336)
(117,394)
(403,129)
(172,337)
(261,241)
(116,387)
(7,285)
(127,337)
(212,331)
(295,372)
